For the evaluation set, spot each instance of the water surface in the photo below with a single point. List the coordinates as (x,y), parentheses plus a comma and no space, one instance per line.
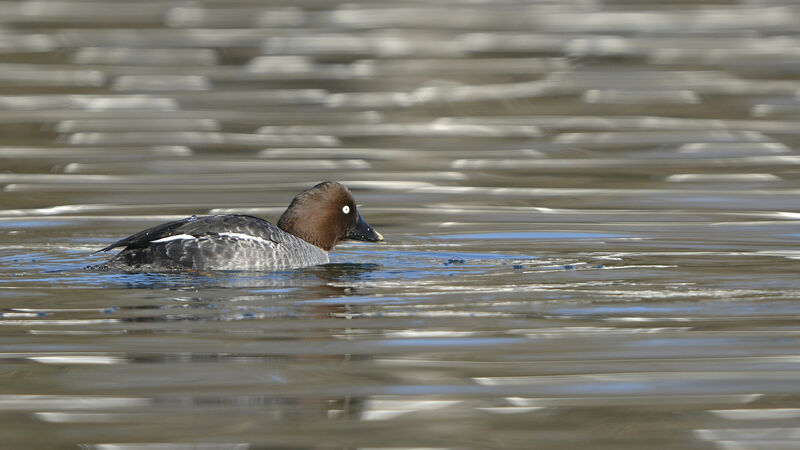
(590,211)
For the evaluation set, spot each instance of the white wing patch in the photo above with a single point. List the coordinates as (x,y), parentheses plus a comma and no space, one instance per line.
(173,238)
(242,236)
(247,237)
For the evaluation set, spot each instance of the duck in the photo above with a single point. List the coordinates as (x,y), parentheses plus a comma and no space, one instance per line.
(316,220)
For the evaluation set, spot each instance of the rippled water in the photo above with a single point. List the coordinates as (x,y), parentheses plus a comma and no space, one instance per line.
(590,210)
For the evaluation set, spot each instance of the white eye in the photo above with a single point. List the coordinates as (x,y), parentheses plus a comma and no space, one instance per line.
(346,209)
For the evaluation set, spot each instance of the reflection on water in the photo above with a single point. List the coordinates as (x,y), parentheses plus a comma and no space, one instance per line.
(590,211)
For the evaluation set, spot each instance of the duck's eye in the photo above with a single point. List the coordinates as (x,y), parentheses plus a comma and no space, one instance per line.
(346,209)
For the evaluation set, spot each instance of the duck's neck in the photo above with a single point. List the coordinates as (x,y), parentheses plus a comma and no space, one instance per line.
(310,230)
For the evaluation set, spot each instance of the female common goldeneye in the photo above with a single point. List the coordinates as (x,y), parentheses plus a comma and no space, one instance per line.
(316,220)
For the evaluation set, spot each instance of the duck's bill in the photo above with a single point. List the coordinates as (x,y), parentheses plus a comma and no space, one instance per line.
(364,232)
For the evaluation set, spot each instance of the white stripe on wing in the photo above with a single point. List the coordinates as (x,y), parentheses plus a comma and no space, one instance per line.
(173,238)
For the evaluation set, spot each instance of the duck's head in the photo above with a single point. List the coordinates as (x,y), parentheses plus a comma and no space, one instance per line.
(325,215)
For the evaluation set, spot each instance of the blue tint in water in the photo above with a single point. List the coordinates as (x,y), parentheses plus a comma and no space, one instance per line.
(535,235)
(387,256)
(27,224)
(68,268)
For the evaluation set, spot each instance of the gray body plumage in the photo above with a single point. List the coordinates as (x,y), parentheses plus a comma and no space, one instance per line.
(224,242)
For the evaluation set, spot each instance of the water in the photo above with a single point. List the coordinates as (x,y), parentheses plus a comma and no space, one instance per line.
(590,210)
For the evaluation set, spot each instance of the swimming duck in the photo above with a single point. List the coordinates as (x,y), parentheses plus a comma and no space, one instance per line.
(316,220)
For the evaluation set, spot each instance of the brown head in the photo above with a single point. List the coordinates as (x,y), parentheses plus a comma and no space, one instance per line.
(325,215)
